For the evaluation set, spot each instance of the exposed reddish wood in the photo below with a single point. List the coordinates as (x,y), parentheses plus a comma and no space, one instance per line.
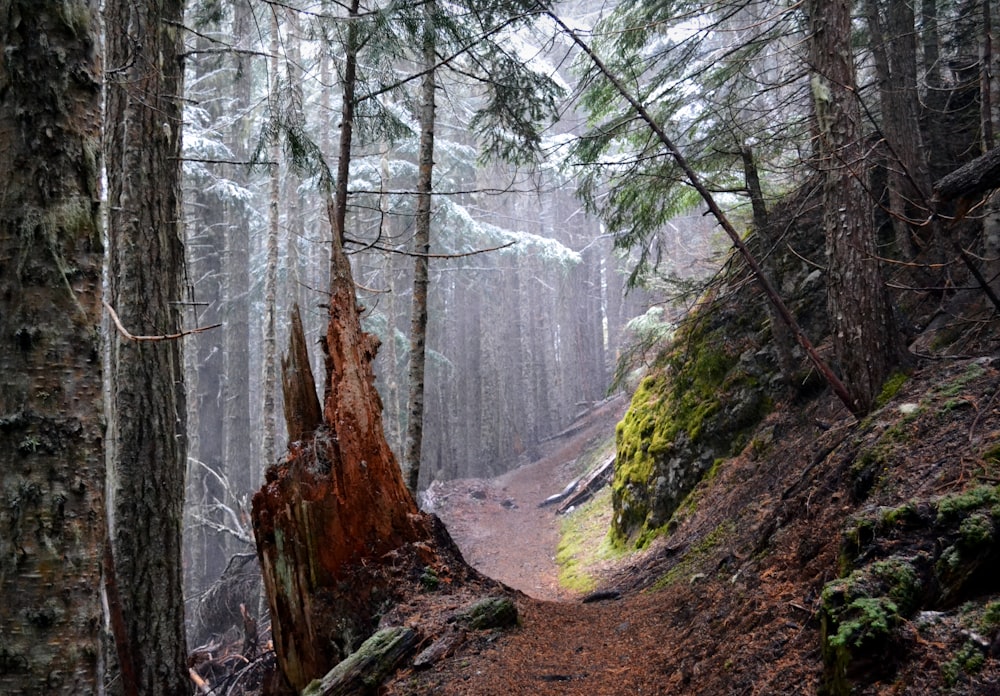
(336,505)
(303,414)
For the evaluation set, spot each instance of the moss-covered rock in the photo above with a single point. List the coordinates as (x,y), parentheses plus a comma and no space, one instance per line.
(700,401)
(922,555)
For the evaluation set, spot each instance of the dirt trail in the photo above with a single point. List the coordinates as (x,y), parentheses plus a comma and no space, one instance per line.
(728,602)
(498,524)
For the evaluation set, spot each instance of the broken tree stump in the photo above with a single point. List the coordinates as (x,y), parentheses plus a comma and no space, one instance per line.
(334,506)
(340,539)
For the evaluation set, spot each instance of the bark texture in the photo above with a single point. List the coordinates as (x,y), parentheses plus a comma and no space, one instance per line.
(327,516)
(52,510)
(421,247)
(146,261)
(864,335)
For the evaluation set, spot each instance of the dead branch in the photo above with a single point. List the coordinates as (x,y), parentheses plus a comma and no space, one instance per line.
(167,337)
(462,255)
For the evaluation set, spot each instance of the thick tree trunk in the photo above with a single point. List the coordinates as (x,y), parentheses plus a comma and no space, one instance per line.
(864,334)
(52,509)
(146,260)
(327,516)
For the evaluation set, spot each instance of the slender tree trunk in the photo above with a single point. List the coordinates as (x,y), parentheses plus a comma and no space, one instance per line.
(894,46)
(421,247)
(393,408)
(864,334)
(236,447)
(205,552)
(51,427)
(991,217)
(270,349)
(146,259)
(348,85)
(783,339)
(985,77)
(931,41)
(297,121)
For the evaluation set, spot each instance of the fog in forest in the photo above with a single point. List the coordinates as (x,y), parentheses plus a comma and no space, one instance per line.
(528,303)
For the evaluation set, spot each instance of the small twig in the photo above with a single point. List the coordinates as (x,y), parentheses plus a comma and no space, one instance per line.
(168,337)
(457,255)
(202,685)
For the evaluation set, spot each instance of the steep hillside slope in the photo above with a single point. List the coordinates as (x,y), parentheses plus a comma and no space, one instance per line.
(828,555)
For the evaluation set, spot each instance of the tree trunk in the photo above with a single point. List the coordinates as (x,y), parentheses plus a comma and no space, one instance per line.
(783,340)
(51,426)
(894,46)
(864,335)
(146,260)
(930,39)
(206,549)
(237,438)
(329,513)
(421,247)
(270,349)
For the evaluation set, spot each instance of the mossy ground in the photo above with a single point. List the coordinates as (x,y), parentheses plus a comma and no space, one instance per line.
(585,544)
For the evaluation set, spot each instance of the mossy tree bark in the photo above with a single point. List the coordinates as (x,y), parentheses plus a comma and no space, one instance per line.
(52,509)
(147,401)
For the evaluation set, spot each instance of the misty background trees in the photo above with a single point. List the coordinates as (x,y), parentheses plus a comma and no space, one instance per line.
(522,338)
(538,199)
(518,340)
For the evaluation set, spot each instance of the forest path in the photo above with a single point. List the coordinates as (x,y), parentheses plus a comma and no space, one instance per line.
(498,524)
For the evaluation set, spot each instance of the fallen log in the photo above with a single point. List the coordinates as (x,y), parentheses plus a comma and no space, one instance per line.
(971,180)
(552,499)
(589,485)
(366,668)
(440,648)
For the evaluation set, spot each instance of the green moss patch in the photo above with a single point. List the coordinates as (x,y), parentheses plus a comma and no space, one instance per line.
(690,562)
(698,404)
(926,554)
(585,543)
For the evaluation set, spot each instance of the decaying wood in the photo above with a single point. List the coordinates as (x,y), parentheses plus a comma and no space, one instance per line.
(489,612)
(440,648)
(332,511)
(366,668)
(971,180)
(303,414)
(589,485)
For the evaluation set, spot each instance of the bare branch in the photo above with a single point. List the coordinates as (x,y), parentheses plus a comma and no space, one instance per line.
(168,337)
